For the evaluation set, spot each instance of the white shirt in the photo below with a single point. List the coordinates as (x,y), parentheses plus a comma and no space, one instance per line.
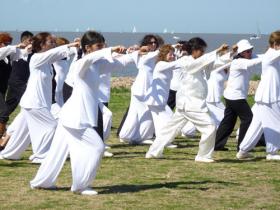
(12,51)
(269,87)
(143,80)
(61,68)
(239,77)
(215,84)
(38,93)
(192,91)
(81,109)
(159,90)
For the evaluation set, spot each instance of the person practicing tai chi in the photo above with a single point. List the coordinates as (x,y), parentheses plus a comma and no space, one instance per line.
(75,134)
(236,93)
(191,104)
(266,117)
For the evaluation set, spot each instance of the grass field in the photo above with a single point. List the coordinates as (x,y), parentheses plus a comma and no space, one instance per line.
(129,181)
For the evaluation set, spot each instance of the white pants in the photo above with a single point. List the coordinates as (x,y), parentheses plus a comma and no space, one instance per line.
(216,110)
(19,140)
(107,121)
(266,119)
(160,114)
(40,125)
(138,124)
(202,122)
(86,149)
(59,97)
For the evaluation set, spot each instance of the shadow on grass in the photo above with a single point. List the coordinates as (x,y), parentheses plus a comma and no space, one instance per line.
(15,163)
(256,159)
(191,185)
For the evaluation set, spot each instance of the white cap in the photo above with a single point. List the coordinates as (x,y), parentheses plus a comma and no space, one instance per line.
(243,45)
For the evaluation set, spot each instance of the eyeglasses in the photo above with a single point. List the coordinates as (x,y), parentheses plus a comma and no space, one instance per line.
(152,42)
(248,51)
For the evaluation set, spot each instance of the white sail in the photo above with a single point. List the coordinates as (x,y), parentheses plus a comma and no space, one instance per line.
(134,29)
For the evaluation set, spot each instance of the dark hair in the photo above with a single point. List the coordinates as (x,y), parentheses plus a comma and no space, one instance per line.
(184,45)
(38,40)
(147,39)
(195,43)
(90,38)
(24,35)
(160,40)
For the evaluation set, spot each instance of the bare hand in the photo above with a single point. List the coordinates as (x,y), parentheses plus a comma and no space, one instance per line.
(222,48)
(234,48)
(21,46)
(119,49)
(74,44)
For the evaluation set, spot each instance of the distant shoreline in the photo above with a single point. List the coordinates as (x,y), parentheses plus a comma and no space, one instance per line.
(126,82)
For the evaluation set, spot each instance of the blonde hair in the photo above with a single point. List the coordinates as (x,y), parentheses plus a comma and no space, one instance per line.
(274,38)
(163,51)
(61,41)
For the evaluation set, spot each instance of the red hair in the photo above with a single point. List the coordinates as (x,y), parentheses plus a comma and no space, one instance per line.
(5,38)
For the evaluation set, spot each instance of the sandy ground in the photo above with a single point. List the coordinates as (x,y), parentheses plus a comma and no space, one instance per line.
(126,82)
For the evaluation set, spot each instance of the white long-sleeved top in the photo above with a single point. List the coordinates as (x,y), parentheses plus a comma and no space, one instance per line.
(38,93)
(83,103)
(215,84)
(119,62)
(269,87)
(192,91)
(144,78)
(61,68)
(12,51)
(159,90)
(239,76)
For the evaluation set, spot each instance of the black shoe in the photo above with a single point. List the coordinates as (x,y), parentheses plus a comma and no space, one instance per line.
(221,149)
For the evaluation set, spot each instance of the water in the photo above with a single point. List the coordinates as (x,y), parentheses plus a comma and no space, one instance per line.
(128,39)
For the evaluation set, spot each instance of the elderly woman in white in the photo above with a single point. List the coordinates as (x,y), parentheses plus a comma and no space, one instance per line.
(191,105)
(267,107)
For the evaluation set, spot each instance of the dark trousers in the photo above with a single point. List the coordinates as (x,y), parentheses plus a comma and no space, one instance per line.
(13,97)
(122,122)
(234,108)
(3,109)
(171,101)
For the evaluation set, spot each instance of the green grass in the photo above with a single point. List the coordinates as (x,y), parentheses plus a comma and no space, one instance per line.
(129,181)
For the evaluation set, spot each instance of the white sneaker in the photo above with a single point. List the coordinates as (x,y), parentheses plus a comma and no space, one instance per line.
(204,160)
(108,154)
(243,155)
(37,161)
(107,146)
(273,157)
(1,157)
(150,156)
(147,141)
(171,146)
(89,191)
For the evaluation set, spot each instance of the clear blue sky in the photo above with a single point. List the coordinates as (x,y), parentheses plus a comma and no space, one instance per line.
(197,16)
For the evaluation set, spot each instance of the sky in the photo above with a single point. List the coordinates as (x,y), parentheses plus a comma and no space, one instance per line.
(178,16)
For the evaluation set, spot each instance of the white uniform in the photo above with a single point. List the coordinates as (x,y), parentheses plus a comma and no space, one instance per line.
(36,106)
(190,106)
(138,125)
(75,133)
(157,96)
(61,68)
(267,107)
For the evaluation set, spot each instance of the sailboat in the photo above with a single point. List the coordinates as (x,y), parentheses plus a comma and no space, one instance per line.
(134,29)
(258,35)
